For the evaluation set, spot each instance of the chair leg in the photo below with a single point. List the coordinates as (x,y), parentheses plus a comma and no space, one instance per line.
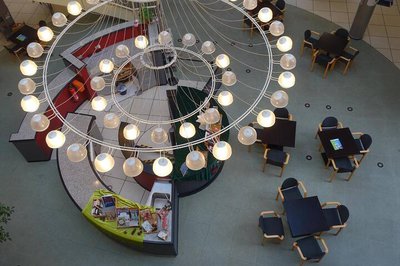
(316,134)
(340,229)
(350,176)
(346,68)
(362,157)
(277,196)
(326,71)
(283,168)
(332,176)
(302,49)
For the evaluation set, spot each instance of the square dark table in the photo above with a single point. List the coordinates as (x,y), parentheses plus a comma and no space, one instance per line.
(345,137)
(331,43)
(305,216)
(27,32)
(282,133)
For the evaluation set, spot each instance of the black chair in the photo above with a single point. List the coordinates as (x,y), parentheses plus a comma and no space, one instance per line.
(325,60)
(310,41)
(276,157)
(282,113)
(328,123)
(347,57)
(281,5)
(289,190)
(15,50)
(342,33)
(341,165)
(271,224)
(336,217)
(42,23)
(309,249)
(364,141)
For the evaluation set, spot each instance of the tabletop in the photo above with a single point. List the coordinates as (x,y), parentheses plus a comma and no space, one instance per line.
(331,43)
(342,139)
(24,36)
(305,216)
(282,133)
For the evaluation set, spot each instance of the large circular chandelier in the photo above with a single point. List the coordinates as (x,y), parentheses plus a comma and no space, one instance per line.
(208,55)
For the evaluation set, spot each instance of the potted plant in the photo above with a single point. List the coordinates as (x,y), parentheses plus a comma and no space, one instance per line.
(5,217)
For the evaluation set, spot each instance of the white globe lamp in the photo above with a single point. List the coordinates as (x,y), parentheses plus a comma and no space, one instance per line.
(225,98)
(74,8)
(195,160)
(162,167)
(141,42)
(286,80)
(222,150)
(265,14)
(55,139)
(39,122)
(211,116)
(132,167)
(131,132)
(59,19)
(208,47)
(187,130)
(104,162)
(222,61)
(247,135)
(28,68)
(26,86)
(99,103)
(122,51)
(106,66)
(266,118)
(287,62)
(284,44)
(159,135)
(76,152)
(30,103)
(229,78)
(111,120)
(279,99)
(34,50)
(276,28)
(188,39)
(97,83)
(45,34)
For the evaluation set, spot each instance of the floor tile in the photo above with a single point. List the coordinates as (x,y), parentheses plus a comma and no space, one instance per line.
(321,6)
(379,42)
(376,30)
(338,7)
(386,52)
(305,4)
(394,43)
(392,20)
(396,56)
(377,19)
(340,17)
(393,31)
(324,14)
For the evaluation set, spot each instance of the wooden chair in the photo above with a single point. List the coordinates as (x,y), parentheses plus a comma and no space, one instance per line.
(335,217)
(283,113)
(270,223)
(276,157)
(289,190)
(342,165)
(17,52)
(310,41)
(348,55)
(328,123)
(309,249)
(363,141)
(281,5)
(325,60)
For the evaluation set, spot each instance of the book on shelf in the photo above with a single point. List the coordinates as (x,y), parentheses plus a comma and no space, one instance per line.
(127,217)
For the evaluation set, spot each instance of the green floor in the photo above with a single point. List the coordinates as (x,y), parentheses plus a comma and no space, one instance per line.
(218,226)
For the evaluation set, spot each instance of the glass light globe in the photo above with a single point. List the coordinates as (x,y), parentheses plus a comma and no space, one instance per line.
(195,160)
(121,51)
(284,44)
(247,135)
(59,19)
(92,2)
(45,34)
(159,135)
(222,61)
(132,167)
(162,167)
(211,116)
(222,150)
(99,103)
(141,42)
(225,98)
(106,66)
(265,14)
(266,118)
(74,8)
(39,122)
(28,68)
(249,4)
(188,39)
(55,139)
(34,50)
(111,120)
(26,86)
(279,99)
(131,132)
(288,61)
(104,162)
(97,83)
(276,28)
(286,80)
(164,37)
(229,78)
(187,130)
(30,103)
(208,47)
(76,152)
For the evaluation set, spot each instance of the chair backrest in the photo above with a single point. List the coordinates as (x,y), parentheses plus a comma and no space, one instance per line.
(343,213)
(343,33)
(281,113)
(280,4)
(330,122)
(307,34)
(42,23)
(289,182)
(366,141)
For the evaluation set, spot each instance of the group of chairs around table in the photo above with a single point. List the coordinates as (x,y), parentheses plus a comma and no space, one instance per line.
(308,247)
(273,154)
(320,57)
(347,164)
